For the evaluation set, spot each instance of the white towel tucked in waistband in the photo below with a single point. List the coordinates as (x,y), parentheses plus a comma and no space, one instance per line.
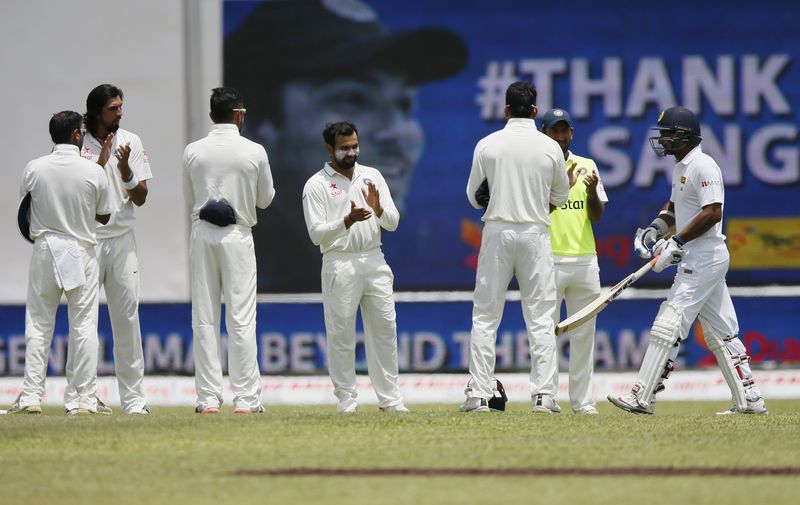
(68,260)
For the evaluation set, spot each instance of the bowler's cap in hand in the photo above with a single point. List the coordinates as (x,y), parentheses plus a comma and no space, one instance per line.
(24,217)
(218,213)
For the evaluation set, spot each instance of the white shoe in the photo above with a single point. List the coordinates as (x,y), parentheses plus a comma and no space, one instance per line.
(629,403)
(250,410)
(28,409)
(544,403)
(587,410)
(753,407)
(475,405)
(395,408)
(144,411)
(347,406)
(102,408)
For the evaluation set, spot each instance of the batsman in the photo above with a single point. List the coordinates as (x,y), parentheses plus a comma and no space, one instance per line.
(699,289)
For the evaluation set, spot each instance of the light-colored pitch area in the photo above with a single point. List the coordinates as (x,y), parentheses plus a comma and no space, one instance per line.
(174,456)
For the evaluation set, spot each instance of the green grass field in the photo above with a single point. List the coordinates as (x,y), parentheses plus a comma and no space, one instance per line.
(175,456)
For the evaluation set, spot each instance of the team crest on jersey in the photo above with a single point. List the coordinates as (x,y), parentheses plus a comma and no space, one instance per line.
(582,171)
(367,182)
(683,179)
(334,190)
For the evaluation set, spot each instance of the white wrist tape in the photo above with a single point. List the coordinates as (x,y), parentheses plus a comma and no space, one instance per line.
(131,184)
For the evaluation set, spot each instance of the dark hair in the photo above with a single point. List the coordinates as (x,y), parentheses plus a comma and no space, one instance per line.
(341,129)
(520,98)
(62,124)
(223,101)
(95,102)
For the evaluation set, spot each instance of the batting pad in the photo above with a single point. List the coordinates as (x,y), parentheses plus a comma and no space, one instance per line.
(663,338)
(728,365)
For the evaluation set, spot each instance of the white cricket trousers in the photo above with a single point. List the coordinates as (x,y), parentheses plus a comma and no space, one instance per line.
(350,280)
(700,291)
(223,263)
(119,276)
(524,251)
(578,284)
(44,294)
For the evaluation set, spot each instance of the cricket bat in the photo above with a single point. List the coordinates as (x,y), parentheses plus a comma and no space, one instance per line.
(603,300)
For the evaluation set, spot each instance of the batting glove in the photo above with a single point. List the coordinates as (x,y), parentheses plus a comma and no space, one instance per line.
(643,241)
(670,252)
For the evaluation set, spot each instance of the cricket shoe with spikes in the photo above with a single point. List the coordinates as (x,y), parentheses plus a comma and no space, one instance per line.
(756,406)
(475,404)
(629,403)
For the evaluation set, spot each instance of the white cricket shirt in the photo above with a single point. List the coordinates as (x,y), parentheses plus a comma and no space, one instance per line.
(226,166)
(66,193)
(697,182)
(526,172)
(122,219)
(326,202)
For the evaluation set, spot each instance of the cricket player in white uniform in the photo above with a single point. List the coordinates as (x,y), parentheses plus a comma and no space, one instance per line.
(699,290)
(68,196)
(226,177)
(575,257)
(527,179)
(116,250)
(345,206)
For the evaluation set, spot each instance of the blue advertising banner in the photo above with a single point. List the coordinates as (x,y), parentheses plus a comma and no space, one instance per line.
(424,81)
(432,337)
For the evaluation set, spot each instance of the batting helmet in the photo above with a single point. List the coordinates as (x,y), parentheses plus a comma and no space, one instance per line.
(497,403)
(679,127)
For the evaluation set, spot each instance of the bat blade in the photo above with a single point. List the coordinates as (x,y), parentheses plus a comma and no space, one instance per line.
(602,301)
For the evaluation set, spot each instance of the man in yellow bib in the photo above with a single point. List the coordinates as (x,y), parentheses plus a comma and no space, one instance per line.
(575,257)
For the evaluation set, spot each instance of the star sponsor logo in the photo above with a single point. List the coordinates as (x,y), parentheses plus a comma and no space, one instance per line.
(334,190)
(86,153)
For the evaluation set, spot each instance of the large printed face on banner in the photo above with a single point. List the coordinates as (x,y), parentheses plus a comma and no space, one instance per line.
(421,103)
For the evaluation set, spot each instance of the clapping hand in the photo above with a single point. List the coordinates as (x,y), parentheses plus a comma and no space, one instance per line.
(373,198)
(105,150)
(356,214)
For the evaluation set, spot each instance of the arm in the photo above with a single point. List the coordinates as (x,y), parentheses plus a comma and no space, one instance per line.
(382,206)
(476,177)
(560,185)
(103,198)
(137,190)
(319,230)
(645,238)
(707,217)
(25,186)
(594,204)
(188,191)
(265,190)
